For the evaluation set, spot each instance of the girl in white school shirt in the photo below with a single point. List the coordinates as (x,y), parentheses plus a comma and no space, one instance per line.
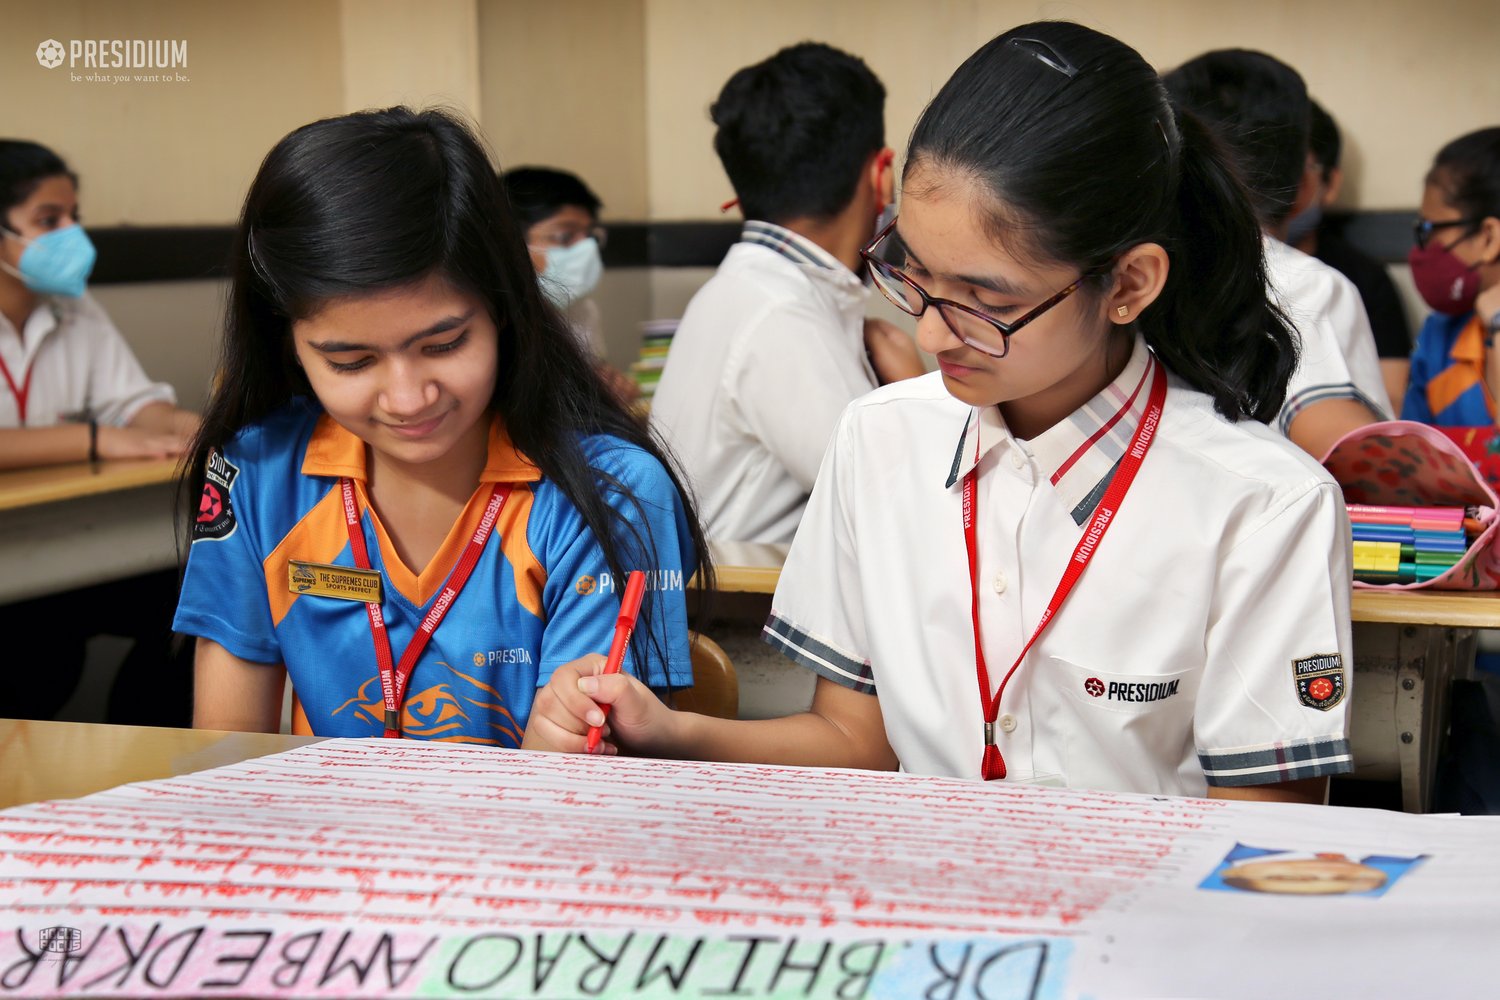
(1088,273)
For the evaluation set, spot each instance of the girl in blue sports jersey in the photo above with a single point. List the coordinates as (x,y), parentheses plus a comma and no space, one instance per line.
(411,490)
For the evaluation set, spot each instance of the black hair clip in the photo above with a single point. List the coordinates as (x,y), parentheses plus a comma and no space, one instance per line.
(1044,54)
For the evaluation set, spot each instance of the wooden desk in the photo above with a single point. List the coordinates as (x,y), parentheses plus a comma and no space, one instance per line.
(63,760)
(69,526)
(747,567)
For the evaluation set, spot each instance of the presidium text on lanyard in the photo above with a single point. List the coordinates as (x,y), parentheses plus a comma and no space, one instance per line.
(393,678)
(993,764)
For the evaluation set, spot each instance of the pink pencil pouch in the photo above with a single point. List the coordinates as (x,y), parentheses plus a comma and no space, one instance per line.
(1399,463)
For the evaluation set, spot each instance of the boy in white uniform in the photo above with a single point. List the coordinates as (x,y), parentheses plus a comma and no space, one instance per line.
(1259,107)
(774,346)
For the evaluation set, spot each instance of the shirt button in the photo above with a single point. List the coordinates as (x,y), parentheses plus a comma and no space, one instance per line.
(1000,583)
(1007,723)
(1017,459)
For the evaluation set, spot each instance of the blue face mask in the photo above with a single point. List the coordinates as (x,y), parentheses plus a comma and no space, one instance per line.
(56,263)
(572,272)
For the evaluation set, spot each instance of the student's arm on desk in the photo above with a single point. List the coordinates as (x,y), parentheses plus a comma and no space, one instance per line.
(842,729)
(1317,427)
(234,694)
(164,418)
(1310,790)
(29,447)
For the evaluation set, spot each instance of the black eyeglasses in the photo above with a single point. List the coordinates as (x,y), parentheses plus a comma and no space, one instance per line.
(1423,229)
(983,333)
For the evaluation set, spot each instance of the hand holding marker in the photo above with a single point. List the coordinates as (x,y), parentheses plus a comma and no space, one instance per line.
(630,608)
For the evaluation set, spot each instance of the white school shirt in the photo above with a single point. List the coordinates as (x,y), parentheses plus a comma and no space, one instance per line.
(1220,588)
(80,367)
(767,356)
(1339,359)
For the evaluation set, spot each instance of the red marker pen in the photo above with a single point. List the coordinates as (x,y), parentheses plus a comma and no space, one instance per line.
(630,608)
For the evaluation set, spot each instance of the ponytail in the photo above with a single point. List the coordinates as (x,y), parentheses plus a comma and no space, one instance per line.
(1213,324)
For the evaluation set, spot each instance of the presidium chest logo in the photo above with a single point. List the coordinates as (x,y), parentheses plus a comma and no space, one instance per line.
(1320,680)
(215,517)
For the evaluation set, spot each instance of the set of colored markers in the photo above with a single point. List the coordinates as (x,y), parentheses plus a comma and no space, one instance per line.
(1407,544)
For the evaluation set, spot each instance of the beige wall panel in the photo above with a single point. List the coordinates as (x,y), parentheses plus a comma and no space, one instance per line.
(419,54)
(177,151)
(563,85)
(173,328)
(1401,77)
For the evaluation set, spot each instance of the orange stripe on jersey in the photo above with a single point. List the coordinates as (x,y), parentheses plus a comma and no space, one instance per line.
(1450,383)
(319,537)
(1466,371)
(530,576)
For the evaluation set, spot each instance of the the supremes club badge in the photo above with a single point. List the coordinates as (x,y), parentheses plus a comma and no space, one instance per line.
(1320,680)
(215,517)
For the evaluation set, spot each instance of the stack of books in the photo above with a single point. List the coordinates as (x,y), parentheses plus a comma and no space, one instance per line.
(1406,544)
(656,340)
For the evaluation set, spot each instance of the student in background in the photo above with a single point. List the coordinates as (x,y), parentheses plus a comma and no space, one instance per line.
(1309,232)
(1087,270)
(1455,262)
(73,391)
(395,390)
(1259,107)
(560,218)
(774,346)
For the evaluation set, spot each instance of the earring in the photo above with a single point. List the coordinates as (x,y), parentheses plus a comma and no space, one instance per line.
(1122,312)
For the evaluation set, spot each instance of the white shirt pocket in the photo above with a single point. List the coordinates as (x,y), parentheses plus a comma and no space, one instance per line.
(1131,732)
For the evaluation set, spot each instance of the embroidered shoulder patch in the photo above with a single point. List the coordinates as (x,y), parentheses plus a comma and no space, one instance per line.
(1319,680)
(215,515)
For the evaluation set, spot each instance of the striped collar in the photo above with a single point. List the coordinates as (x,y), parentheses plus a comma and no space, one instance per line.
(797,249)
(1078,454)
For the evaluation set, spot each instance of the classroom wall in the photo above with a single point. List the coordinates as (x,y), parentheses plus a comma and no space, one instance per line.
(618,90)
(1402,77)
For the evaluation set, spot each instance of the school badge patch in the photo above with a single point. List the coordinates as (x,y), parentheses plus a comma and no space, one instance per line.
(215,515)
(1320,680)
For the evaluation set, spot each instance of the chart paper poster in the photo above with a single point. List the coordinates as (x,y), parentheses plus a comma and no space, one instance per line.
(401,868)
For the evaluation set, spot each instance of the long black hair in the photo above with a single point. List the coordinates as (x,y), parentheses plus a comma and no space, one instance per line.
(382,199)
(1073,135)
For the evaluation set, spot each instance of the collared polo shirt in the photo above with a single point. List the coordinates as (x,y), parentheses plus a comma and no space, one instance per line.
(80,367)
(1207,643)
(768,354)
(540,596)
(1339,360)
(1447,386)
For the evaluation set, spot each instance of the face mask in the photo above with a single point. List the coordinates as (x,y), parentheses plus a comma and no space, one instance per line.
(56,263)
(572,272)
(1447,283)
(1304,222)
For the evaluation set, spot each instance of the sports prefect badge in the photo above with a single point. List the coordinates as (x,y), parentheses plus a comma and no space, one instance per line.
(347,583)
(1320,680)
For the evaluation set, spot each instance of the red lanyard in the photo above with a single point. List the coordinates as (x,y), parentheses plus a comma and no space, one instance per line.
(21,391)
(393,678)
(993,765)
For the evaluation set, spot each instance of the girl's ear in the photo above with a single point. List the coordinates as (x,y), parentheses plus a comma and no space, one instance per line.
(1139,274)
(1488,239)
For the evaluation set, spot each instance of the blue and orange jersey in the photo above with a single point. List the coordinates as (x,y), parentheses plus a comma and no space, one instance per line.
(541,595)
(1446,386)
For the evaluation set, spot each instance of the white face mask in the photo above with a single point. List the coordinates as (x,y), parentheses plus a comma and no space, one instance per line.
(572,272)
